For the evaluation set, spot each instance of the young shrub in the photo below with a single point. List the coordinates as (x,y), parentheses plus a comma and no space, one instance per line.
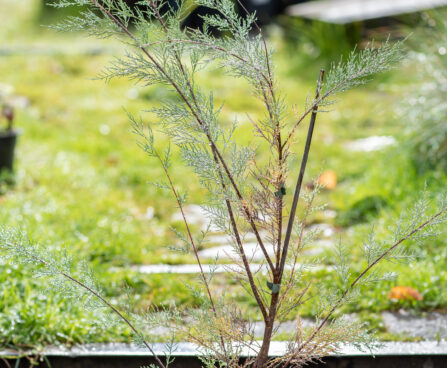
(244,196)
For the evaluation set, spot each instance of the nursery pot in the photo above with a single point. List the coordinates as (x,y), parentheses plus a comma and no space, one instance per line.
(7,144)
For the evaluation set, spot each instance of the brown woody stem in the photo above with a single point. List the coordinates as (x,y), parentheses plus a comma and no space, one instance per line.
(299,182)
(251,281)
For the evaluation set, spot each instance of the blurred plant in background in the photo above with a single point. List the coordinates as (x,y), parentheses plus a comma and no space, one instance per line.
(425,114)
(316,40)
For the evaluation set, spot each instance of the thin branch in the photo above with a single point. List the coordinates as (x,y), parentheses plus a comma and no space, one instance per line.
(299,182)
(195,250)
(297,252)
(267,58)
(279,200)
(317,101)
(228,204)
(300,237)
(202,125)
(246,210)
(179,203)
(298,301)
(367,269)
(106,303)
(241,248)
(214,47)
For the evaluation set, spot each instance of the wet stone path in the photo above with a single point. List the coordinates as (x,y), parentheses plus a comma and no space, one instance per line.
(428,327)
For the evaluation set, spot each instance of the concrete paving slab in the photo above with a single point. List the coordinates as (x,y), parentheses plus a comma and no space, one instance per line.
(432,326)
(347,11)
(187,268)
(207,268)
(371,144)
(186,349)
(319,246)
(252,250)
(325,230)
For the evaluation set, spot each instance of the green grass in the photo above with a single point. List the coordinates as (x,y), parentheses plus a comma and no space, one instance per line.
(82,183)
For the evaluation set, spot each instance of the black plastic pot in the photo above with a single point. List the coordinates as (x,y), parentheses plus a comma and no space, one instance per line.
(7,144)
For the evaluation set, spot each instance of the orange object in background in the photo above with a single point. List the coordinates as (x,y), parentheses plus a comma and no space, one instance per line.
(404,293)
(328,179)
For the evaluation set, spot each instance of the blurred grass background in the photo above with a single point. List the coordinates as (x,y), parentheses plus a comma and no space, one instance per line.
(82,183)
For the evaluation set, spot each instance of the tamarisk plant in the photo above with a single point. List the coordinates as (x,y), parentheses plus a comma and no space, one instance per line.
(245,197)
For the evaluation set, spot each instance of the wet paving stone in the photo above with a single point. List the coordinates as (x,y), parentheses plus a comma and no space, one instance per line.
(431,326)
(208,268)
(252,250)
(370,144)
